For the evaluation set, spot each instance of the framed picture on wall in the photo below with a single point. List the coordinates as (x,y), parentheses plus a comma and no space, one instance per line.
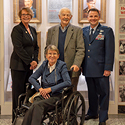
(122,47)
(35,6)
(39,44)
(121,68)
(54,7)
(85,5)
(122,93)
(122,25)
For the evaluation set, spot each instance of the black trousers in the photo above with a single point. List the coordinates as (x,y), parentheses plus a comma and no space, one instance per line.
(19,80)
(39,108)
(98,94)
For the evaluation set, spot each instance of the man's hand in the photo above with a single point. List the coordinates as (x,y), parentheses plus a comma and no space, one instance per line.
(106,73)
(45,92)
(75,68)
(33,65)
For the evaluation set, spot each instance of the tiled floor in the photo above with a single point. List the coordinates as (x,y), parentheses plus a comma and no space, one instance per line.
(113,120)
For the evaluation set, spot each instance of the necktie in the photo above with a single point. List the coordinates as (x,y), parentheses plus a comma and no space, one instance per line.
(90,37)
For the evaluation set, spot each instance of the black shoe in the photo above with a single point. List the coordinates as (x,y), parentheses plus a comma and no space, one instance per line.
(102,123)
(87,117)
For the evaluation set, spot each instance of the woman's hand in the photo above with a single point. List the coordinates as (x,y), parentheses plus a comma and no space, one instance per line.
(33,65)
(45,92)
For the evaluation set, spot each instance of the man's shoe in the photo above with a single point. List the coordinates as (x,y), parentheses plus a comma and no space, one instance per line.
(102,123)
(87,117)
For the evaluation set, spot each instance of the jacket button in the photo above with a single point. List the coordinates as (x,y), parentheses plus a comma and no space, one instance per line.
(89,44)
(88,56)
(88,50)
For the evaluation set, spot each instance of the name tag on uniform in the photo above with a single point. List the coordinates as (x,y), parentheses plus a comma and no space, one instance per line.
(100,37)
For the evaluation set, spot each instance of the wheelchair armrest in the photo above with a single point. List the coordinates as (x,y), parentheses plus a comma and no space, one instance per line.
(28,84)
(67,89)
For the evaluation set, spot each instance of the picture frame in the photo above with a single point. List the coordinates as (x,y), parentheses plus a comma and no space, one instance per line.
(36,8)
(121,68)
(39,44)
(122,25)
(122,46)
(122,93)
(83,10)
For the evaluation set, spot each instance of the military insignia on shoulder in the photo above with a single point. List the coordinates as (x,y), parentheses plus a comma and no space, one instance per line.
(101,31)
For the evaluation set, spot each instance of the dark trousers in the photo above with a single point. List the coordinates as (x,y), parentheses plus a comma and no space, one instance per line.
(37,111)
(98,94)
(19,80)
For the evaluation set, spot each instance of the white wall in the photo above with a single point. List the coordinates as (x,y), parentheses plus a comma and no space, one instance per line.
(1,50)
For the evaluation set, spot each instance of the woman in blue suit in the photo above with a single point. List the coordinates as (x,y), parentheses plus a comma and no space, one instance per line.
(54,77)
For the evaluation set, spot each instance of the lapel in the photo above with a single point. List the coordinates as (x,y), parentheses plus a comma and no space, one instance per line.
(68,36)
(33,34)
(46,69)
(26,32)
(55,35)
(48,74)
(31,30)
(87,31)
(95,33)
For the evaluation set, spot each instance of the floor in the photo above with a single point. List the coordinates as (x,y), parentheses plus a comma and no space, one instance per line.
(113,120)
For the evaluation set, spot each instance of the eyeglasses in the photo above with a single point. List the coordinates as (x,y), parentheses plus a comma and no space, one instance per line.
(50,54)
(25,14)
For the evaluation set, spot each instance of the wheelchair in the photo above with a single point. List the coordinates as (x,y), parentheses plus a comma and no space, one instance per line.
(69,110)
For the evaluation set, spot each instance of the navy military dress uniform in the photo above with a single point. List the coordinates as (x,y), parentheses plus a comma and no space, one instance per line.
(99,56)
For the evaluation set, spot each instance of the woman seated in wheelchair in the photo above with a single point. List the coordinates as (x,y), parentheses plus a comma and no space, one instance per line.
(54,77)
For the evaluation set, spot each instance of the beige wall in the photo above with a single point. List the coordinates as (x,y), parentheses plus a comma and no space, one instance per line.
(1,50)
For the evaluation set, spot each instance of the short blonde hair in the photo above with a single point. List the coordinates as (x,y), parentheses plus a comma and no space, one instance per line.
(29,11)
(51,47)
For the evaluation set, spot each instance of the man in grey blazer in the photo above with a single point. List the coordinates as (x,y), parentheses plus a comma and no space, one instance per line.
(69,40)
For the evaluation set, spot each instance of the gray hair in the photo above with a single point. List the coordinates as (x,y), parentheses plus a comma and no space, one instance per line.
(64,8)
(51,47)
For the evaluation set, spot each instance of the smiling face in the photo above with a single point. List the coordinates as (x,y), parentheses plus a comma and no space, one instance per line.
(93,18)
(52,57)
(65,17)
(28,3)
(91,4)
(25,17)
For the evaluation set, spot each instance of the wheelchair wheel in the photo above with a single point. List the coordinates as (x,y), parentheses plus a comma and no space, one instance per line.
(74,110)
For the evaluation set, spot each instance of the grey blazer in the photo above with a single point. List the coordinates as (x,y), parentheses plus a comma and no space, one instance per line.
(74,50)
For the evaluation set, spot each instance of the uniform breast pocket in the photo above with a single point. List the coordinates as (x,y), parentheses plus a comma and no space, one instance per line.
(101,43)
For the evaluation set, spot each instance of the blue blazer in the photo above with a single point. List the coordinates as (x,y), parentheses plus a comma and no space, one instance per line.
(99,52)
(57,79)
